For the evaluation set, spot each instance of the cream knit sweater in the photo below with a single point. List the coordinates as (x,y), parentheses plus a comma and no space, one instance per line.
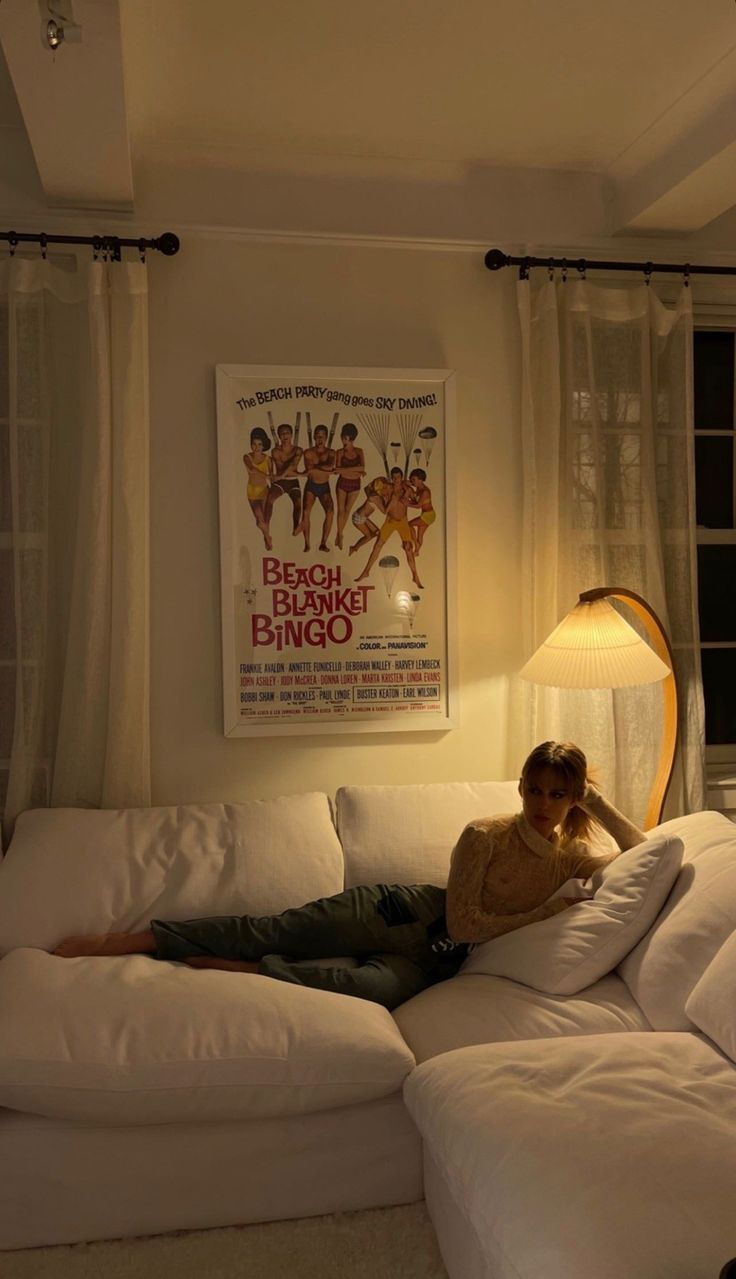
(503,871)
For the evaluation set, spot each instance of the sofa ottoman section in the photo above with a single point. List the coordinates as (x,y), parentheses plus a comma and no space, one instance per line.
(608,1155)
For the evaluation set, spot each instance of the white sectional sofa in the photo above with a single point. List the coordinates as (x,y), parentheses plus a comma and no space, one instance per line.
(140,1097)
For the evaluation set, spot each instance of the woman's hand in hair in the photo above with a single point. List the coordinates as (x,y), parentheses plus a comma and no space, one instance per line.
(590,795)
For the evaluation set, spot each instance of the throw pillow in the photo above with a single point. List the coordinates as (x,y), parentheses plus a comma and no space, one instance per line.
(570,951)
(712,1002)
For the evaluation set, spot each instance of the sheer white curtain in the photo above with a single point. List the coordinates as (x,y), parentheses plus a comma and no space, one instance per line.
(609,501)
(74,703)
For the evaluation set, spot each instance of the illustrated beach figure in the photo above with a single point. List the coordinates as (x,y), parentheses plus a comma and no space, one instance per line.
(423,499)
(285,460)
(350,466)
(319,465)
(374,501)
(258,465)
(398,498)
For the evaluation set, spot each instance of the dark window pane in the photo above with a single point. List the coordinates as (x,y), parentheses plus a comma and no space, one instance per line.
(713,381)
(719,688)
(714,481)
(717,592)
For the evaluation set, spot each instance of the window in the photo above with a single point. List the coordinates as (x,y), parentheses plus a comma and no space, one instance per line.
(715,481)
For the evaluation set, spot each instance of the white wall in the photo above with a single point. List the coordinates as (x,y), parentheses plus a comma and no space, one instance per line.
(236,300)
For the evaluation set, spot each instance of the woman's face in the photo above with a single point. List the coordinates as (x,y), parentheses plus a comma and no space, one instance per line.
(546,799)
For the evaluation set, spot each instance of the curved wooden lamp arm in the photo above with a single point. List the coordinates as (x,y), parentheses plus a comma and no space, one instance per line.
(661,645)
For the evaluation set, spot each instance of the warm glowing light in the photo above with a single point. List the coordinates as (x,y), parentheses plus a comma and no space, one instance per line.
(593,647)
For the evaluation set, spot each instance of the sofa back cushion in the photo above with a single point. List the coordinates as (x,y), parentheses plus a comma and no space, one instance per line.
(699,914)
(568,952)
(405,834)
(712,1002)
(70,871)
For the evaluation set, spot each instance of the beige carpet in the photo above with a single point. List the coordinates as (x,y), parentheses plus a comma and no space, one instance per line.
(382,1243)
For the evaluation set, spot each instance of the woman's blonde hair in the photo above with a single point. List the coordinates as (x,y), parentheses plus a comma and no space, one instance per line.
(566,759)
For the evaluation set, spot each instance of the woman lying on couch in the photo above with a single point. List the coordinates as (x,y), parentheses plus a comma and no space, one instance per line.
(406,937)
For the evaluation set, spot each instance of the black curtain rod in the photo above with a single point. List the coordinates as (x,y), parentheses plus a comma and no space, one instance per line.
(108,245)
(495,260)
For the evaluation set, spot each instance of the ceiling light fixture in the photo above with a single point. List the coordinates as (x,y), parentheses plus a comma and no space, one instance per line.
(58,24)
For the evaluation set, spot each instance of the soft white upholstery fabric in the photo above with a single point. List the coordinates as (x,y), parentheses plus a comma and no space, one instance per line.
(405,834)
(80,1181)
(132,1040)
(71,871)
(712,1002)
(587,1157)
(570,951)
(700,913)
(474,1009)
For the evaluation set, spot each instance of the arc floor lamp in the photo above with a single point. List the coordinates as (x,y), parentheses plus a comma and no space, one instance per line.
(595,647)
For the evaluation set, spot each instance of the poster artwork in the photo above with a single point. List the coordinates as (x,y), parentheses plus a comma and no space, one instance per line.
(334,555)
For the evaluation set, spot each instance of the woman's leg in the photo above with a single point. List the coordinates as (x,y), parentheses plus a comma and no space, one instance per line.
(385,979)
(360,921)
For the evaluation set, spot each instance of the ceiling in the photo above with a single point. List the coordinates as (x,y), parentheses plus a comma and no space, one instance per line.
(626,108)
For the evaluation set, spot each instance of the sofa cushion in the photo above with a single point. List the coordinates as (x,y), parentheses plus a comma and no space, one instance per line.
(133,1040)
(568,952)
(699,915)
(712,1002)
(405,834)
(71,871)
(611,1156)
(473,1009)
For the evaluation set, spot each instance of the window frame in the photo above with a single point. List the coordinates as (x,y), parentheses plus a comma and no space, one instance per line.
(720,759)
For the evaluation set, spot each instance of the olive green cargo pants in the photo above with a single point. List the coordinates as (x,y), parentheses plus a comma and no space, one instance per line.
(396,932)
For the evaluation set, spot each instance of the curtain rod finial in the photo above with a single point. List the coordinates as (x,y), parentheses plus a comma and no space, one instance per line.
(495,259)
(168,244)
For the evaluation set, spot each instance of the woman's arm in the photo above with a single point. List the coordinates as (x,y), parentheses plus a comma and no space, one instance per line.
(466,919)
(625,833)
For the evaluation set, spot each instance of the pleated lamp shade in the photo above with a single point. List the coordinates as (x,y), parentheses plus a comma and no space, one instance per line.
(593,647)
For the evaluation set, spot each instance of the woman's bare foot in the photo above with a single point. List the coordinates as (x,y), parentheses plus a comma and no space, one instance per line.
(227,965)
(106,944)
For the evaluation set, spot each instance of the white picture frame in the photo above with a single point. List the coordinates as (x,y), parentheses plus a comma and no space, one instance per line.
(318,637)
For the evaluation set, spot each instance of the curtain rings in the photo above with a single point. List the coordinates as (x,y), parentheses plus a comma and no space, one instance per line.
(96,247)
(524,269)
(42,240)
(582,268)
(12,242)
(648,268)
(564,271)
(551,270)
(686,275)
(142,250)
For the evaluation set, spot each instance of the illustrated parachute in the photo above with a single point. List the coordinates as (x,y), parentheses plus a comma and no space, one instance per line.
(388,565)
(406,606)
(408,426)
(376,426)
(428,435)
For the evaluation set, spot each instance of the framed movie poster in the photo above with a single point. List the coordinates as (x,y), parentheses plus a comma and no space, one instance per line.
(336,528)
